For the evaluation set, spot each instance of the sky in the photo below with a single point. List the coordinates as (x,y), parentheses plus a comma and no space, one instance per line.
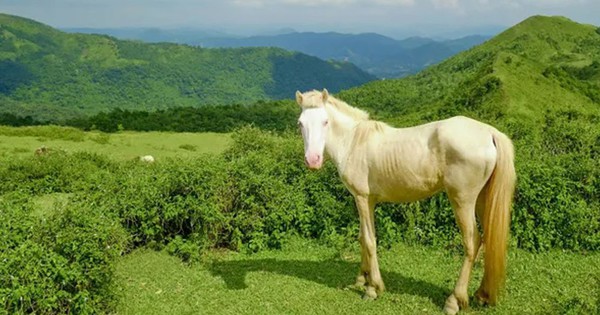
(396,18)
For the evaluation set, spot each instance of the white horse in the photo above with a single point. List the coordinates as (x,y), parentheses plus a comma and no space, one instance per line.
(471,161)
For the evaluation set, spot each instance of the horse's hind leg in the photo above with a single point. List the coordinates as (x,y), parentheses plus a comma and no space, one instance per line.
(464,210)
(369,273)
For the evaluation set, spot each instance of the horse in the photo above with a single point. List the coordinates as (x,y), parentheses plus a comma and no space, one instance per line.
(471,161)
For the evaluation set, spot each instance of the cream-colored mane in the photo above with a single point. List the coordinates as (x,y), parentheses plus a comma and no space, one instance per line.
(314,99)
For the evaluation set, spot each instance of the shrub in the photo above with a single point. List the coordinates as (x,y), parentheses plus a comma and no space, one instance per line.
(59,264)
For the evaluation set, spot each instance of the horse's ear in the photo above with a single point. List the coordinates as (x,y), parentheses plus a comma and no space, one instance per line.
(299,98)
(325,95)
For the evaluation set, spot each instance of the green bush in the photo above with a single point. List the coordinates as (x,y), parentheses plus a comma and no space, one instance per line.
(61,263)
(53,172)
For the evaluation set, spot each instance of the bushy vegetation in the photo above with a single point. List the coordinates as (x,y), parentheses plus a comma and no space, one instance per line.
(254,196)
(273,115)
(59,260)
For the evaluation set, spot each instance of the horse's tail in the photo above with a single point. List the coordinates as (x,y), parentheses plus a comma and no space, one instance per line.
(496,219)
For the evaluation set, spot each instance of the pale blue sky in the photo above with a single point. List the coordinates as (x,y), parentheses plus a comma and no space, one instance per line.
(391,17)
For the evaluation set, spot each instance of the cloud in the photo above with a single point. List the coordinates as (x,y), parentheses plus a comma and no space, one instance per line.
(249,3)
(552,3)
(308,3)
(406,3)
(317,3)
(445,4)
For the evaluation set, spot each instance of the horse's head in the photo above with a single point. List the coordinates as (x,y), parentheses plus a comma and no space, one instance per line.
(313,123)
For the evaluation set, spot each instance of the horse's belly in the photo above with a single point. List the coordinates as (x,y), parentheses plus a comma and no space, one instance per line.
(395,189)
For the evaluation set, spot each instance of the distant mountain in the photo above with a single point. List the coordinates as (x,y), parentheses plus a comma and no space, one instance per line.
(50,74)
(464,43)
(379,55)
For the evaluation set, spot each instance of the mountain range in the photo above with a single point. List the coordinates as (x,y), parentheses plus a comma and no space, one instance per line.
(379,55)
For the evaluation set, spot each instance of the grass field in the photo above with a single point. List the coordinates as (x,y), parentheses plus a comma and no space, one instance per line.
(121,146)
(306,278)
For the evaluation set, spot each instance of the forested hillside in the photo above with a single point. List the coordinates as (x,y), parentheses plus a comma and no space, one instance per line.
(52,75)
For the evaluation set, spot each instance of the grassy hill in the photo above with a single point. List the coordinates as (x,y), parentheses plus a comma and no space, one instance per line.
(541,64)
(47,73)
(539,82)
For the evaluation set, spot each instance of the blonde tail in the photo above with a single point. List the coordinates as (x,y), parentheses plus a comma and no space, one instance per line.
(496,219)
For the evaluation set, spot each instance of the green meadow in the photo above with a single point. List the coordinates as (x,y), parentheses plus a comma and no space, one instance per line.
(120,146)
(308,278)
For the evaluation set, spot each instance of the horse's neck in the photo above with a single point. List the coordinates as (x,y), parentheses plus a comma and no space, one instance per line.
(339,138)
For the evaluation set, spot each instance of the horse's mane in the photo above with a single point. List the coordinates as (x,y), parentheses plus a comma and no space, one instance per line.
(314,99)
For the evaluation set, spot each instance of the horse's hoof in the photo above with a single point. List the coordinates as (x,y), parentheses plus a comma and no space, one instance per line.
(451,306)
(482,297)
(463,301)
(379,287)
(370,294)
(361,281)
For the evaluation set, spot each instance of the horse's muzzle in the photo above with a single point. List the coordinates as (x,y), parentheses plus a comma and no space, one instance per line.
(314,161)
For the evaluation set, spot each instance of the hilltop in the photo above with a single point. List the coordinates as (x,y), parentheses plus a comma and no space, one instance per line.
(49,74)
(541,64)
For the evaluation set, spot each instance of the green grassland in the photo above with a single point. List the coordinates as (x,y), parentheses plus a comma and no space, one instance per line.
(307,278)
(120,146)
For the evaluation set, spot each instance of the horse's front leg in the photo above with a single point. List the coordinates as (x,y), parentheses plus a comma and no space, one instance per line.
(369,269)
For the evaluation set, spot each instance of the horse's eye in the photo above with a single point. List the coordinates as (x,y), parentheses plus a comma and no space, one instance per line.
(325,123)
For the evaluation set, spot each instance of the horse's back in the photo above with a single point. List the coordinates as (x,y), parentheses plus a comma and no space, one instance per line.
(407,164)
(468,151)
(465,138)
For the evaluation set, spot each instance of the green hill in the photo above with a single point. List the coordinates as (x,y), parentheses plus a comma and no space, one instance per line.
(539,82)
(50,74)
(543,63)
